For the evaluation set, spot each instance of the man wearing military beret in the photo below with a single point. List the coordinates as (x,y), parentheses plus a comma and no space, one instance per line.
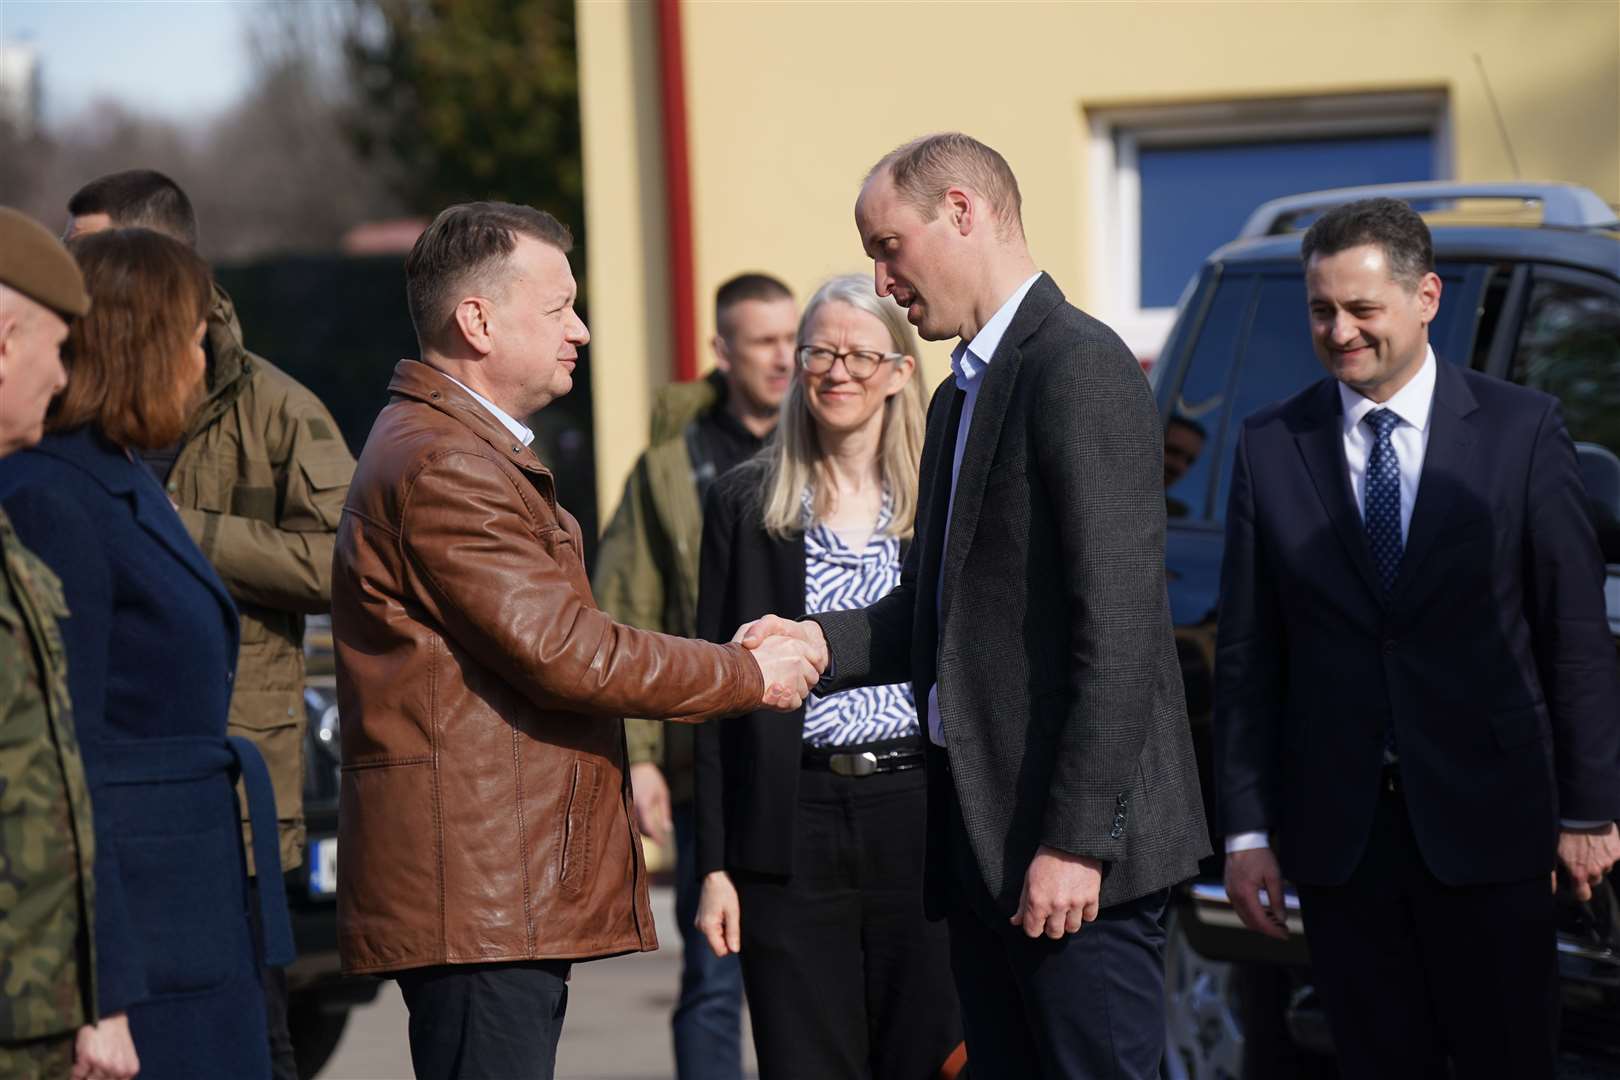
(52,1024)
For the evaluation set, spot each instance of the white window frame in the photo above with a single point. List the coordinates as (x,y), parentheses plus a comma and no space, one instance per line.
(1116,134)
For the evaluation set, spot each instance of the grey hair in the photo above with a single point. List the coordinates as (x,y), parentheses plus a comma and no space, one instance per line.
(793,460)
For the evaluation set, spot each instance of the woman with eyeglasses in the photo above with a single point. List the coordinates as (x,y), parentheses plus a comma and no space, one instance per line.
(810,835)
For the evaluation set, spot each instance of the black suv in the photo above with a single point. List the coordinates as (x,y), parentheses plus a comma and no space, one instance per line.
(1534,301)
(320,997)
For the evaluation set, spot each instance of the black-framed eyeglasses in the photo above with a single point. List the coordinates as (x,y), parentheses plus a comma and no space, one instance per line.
(861,364)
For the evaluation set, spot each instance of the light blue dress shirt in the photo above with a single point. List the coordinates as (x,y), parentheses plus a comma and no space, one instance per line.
(968,363)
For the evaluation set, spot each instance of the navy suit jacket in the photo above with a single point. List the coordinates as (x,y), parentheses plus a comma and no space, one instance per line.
(1491,655)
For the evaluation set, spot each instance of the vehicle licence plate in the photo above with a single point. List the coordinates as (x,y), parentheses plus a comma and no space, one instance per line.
(323,867)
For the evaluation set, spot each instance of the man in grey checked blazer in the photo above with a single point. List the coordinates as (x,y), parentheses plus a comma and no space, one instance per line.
(1033,620)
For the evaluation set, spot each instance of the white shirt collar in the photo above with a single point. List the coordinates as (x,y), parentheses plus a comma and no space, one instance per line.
(970,358)
(518,430)
(1411,403)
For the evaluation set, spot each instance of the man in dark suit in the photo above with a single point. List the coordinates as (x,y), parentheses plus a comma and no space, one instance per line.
(1033,621)
(1417,698)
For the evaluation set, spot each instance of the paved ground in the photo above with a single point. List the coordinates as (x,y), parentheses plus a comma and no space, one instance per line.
(617,1026)
(618,1022)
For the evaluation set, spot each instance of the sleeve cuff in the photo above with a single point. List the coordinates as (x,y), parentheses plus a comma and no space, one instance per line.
(1247,841)
(750,681)
(829,678)
(1569,823)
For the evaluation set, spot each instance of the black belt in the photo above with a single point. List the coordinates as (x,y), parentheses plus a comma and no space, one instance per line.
(866,759)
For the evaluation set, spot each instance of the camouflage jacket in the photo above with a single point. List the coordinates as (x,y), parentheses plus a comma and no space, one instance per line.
(260,480)
(47,847)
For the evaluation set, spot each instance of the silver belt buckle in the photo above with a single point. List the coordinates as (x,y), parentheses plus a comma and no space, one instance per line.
(861,764)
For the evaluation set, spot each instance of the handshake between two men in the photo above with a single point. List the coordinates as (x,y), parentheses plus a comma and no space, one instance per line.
(792,656)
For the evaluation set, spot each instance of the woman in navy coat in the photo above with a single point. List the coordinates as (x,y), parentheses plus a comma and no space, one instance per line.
(151,644)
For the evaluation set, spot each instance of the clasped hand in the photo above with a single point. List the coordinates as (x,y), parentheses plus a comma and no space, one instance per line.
(791,658)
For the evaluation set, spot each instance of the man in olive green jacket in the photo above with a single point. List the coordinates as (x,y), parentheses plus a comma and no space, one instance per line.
(56,1017)
(647,576)
(259,478)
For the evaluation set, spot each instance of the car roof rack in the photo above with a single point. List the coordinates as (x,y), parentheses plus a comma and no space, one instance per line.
(1563,206)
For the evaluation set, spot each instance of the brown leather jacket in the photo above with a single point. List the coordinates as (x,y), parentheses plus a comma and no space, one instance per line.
(484,813)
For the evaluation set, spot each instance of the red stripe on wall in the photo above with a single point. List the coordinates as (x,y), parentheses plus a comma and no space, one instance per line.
(677,188)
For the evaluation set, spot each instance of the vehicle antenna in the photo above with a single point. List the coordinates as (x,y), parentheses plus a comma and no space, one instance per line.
(1501,125)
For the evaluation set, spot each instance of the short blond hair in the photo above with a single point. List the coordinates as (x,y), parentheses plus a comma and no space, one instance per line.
(924,169)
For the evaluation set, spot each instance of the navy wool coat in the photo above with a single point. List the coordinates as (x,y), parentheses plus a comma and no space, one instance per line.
(151,643)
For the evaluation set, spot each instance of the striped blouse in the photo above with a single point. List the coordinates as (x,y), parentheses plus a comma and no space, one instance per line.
(839,579)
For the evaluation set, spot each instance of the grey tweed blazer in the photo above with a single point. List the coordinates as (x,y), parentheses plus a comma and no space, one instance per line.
(1059,689)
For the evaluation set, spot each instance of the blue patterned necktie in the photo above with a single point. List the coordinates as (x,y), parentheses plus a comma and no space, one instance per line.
(1382,518)
(1382,512)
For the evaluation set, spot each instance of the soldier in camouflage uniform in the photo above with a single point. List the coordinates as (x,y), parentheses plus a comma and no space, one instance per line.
(46,846)
(48,1012)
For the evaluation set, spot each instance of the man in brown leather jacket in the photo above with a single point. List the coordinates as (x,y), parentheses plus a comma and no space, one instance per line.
(486,840)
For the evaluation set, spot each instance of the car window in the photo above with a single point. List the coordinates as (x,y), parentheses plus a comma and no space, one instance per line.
(1193,430)
(1495,296)
(1277,361)
(1569,346)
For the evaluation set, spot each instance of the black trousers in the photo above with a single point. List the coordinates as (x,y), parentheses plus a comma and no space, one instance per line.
(1090,1004)
(845,978)
(1414,972)
(486,1021)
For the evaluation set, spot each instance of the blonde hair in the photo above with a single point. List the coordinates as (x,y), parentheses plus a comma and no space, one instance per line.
(924,169)
(793,462)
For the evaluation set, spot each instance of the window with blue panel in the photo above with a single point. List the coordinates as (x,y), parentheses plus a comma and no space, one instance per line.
(1196,198)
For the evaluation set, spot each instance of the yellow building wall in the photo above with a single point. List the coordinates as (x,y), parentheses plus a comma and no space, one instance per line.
(790,103)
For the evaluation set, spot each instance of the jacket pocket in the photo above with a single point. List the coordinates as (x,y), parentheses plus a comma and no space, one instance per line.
(326,475)
(327,480)
(211,488)
(576,846)
(270,719)
(186,895)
